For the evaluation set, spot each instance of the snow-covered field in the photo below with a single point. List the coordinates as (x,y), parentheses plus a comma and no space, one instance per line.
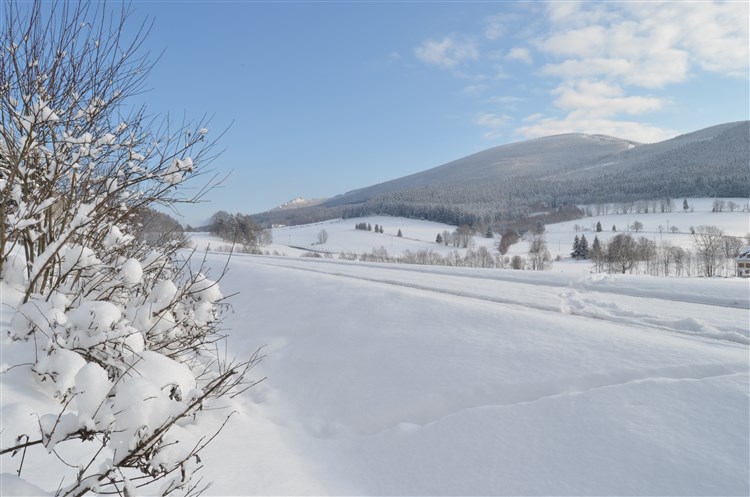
(387,379)
(411,380)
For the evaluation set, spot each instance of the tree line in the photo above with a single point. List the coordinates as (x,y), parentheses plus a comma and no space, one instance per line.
(240,229)
(713,254)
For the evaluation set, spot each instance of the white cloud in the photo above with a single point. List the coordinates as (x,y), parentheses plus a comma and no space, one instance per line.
(592,107)
(659,71)
(647,44)
(585,42)
(533,117)
(600,99)
(603,52)
(495,27)
(506,101)
(475,90)
(605,62)
(563,11)
(630,130)
(495,122)
(520,54)
(492,120)
(716,35)
(446,53)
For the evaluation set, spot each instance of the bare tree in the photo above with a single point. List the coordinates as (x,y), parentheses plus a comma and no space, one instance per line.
(265,238)
(622,253)
(666,257)
(464,233)
(322,237)
(679,255)
(539,256)
(508,238)
(709,243)
(598,255)
(446,236)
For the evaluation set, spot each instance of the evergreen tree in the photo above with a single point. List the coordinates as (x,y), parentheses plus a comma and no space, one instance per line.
(614,228)
(596,246)
(381,228)
(598,226)
(377,229)
(399,234)
(489,233)
(369,227)
(583,248)
(685,205)
(439,239)
(576,253)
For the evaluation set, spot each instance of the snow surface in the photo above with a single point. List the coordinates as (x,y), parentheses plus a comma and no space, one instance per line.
(387,379)
(402,380)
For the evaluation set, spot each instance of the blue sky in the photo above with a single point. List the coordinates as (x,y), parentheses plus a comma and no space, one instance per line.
(326,97)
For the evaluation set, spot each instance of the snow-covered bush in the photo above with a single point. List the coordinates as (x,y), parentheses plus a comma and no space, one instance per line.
(122,333)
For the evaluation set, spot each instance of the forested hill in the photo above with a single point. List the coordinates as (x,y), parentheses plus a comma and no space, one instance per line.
(528,158)
(511,181)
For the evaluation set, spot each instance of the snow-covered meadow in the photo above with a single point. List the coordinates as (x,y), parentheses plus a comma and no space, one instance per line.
(412,380)
(394,379)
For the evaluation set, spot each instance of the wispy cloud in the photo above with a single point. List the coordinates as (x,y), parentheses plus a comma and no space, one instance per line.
(505,99)
(447,53)
(506,103)
(497,124)
(521,54)
(496,26)
(475,90)
(533,117)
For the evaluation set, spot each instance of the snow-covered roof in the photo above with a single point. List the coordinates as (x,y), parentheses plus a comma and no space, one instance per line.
(744,253)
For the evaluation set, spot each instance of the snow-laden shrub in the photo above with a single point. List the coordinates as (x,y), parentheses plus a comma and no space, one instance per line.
(123,332)
(125,341)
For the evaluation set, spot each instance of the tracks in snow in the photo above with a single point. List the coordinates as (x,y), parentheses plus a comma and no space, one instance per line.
(548,296)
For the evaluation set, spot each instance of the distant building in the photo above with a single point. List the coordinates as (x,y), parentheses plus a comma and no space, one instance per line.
(743,263)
